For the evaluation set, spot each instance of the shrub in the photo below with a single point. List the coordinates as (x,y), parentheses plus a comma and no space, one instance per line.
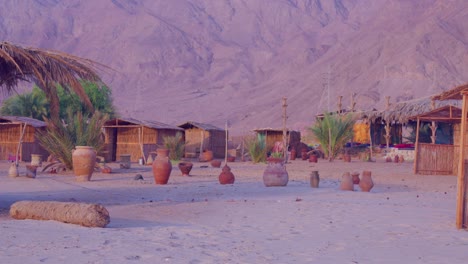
(61,137)
(176,146)
(257,149)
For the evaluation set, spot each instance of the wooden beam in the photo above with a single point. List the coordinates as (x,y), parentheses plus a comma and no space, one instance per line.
(416,146)
(461,190)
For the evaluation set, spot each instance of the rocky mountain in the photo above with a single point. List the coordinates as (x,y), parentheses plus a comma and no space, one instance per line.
(217,60)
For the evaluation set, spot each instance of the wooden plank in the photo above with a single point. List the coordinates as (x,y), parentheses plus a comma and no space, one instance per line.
(461,189)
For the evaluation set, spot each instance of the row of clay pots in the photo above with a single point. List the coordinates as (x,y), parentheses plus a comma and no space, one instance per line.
(348,181)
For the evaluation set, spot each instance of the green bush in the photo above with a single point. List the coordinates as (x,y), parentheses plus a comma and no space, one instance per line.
(176,146)
(257,149)
(60,138)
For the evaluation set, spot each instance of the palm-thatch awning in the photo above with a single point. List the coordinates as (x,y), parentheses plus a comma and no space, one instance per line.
(402,112)
(22,120)
(447,114)
(117,122)
(452,94)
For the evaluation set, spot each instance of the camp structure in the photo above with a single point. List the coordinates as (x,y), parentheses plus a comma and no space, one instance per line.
(18,138)
(460,93)
(272,135)
(437,154)
(137,138)
(199,136)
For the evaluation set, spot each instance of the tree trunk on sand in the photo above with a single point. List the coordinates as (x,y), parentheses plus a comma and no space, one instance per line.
(89,215)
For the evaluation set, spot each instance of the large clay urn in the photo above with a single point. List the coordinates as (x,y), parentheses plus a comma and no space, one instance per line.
(275,173)
(346,183)
(162,166)
(84,161)
(366,182)
(226,176)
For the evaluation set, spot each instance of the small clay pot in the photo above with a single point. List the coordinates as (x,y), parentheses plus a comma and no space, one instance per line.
(314,179)
(231,159)
(226,176)
(293,154)
(347,158)
(106,169)
(313,158)
(304,155)
(185,168)
(396,159)
(355,177)
(346,183)
(216,163)
(388,159)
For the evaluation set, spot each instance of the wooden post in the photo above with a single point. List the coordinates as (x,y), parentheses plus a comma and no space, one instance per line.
(433,125)
(353,102)
(416,146)
(461,189)
(226,147)
(201,144)
(340,98)
(285,150)
(370,138)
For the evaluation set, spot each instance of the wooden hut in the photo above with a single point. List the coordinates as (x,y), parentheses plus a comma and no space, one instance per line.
(138,138)
(204,136)
(13,130)
(433,157)
(272,135)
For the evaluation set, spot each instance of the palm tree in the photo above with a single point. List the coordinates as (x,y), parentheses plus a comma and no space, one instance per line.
(46,69)
(32,105)
(333,131)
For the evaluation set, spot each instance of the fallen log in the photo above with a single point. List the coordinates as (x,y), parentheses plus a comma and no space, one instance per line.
(89,215)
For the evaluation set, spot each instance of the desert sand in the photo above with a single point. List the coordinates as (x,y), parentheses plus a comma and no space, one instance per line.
(406,218)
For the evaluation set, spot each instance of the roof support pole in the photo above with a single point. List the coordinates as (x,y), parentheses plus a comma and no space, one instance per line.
(416,147)
(461,211)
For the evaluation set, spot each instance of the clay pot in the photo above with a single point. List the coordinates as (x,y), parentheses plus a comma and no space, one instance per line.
(355,177)
(275,173)
(106,169)
(366,183)
(231,159)
(396,159)
(207,155)
(347,158)
(401,159)
(13,170)
(84,161)
(162,166)
(313,158)
(293,155)
(185,168)
(346,183)
(388,159)
(314,179)
(304,155)
(216,163)
(226,176)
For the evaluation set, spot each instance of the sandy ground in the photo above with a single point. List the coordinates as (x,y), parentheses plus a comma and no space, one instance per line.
(406,218)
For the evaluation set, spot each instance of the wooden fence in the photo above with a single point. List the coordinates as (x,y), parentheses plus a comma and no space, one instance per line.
(436,159)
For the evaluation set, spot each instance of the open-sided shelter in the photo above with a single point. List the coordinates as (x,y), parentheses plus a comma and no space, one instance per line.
(201,137)
(17,131)
(272,135)
(138,138)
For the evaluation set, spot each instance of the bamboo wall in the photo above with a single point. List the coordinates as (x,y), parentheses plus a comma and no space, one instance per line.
(436,159)
(294,138)
(213,140)
(9,138)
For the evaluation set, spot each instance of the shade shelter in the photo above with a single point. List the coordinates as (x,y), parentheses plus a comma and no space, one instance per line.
(19,135)
(201,137)
(433,158)
(460,93)
(138,138)
(272,135)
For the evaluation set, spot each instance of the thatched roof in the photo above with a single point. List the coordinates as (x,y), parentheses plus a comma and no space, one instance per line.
(121,122)
(401,112)
(207,127)
(22,120)
(452,94)
(448,114)
(272,130)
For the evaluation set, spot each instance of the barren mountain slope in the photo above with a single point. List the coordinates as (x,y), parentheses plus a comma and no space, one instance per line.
(213,61)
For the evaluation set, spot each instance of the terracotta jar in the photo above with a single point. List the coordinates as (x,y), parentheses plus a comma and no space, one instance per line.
(304,155)
(162,166)
(346,183)
(355,176)
(84,161)
(231,159)
(226,176)
(185,168)
(313,158)
(207,155)
(13,170)
(396,159)
(275,173)
(366,183)
(293,154)
(388,159)
(216,163)
(314,179)
(347,158)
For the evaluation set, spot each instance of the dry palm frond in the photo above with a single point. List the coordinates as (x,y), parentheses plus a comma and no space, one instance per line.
(47,69)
